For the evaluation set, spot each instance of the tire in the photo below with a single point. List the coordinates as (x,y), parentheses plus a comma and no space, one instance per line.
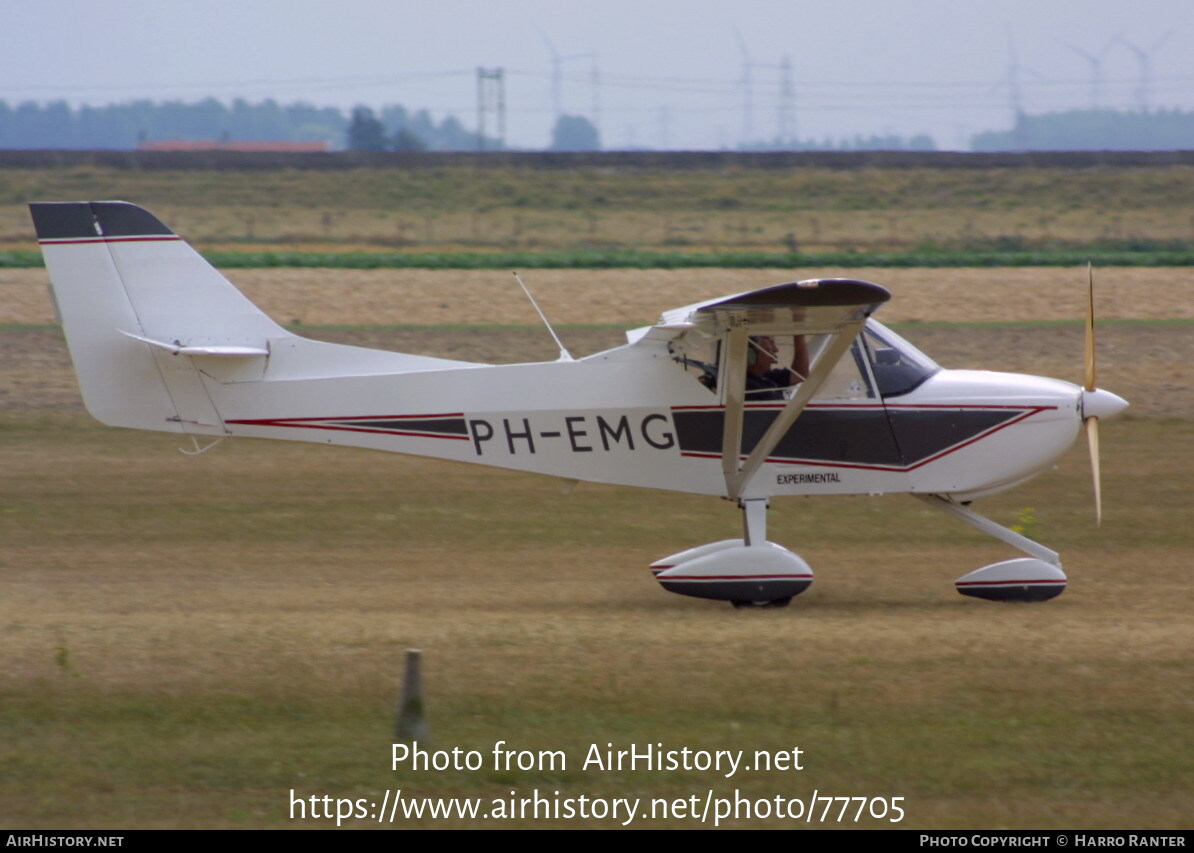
(758,605)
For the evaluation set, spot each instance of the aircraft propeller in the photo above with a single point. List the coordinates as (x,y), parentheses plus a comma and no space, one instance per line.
(1095,403)
(1091,422)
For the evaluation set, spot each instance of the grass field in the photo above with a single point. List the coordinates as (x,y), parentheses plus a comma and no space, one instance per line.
(187,640)
(692,209)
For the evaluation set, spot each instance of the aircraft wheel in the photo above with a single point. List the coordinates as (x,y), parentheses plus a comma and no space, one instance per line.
(778,602)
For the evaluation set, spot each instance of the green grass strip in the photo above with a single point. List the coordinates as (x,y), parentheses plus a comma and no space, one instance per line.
(591,259)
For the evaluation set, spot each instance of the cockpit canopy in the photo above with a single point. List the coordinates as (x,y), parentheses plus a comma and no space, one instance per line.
(880,363)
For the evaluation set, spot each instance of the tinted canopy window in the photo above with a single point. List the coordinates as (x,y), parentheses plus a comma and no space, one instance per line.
(898,367)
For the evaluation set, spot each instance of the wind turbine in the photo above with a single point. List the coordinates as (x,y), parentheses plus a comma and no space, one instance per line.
(1144,60)
(1095,61)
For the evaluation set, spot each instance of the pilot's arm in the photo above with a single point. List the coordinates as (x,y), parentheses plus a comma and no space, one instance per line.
(799,359)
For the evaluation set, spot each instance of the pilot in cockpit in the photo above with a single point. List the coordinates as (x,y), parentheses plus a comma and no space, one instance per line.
(764,381)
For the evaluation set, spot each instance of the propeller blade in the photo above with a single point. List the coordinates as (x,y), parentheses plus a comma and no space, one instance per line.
(1090,337)
(1092,439)
(1092,423)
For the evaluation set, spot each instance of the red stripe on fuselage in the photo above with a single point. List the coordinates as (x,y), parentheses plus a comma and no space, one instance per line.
(291,421)
(1010,583)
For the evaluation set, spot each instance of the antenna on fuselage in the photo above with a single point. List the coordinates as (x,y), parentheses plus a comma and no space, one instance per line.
(564,354)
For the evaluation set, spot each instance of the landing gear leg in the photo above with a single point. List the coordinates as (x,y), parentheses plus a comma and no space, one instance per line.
(1037,577)
(754,535)
(754,521)
(749,572)
(1011,537)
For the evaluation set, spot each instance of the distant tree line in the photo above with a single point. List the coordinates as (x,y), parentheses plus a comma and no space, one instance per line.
(574,133)
(1093,130)
(56,124)
(397,129)
(124,126)
(888,142)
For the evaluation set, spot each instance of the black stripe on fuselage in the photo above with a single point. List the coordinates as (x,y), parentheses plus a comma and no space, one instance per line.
(925,433)
(429,427)
(450,426)
(854,435)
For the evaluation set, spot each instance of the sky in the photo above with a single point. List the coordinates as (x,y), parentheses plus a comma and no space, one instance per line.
(676,74)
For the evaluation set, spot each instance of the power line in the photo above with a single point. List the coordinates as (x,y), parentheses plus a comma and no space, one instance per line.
(491,98)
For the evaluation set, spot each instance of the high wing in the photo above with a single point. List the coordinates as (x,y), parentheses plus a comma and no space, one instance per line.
(834,308)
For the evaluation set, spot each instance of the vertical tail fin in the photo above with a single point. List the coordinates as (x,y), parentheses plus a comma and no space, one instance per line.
(137,304)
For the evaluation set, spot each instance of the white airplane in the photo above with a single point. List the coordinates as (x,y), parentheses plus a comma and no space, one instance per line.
(162,341)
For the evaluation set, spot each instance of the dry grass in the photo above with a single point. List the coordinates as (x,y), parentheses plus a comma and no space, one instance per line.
(188,639)
(1147,363)
(822,209)
(636,297)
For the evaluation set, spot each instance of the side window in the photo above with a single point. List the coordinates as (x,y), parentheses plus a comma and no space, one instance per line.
(896,369)
(700,357)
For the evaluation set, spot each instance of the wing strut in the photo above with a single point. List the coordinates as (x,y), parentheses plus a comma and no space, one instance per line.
(735,385)
(738,478)
(837,307)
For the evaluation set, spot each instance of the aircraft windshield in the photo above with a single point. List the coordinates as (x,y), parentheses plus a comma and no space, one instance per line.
(897,365)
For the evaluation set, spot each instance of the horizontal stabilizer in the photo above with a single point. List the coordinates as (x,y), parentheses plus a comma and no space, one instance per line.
(179,349)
